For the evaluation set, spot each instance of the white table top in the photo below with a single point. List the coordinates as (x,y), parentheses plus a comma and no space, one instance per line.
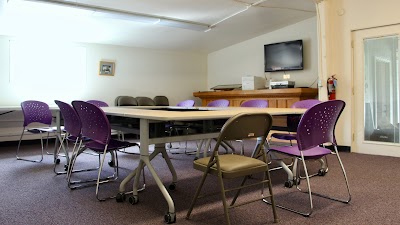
(212,113)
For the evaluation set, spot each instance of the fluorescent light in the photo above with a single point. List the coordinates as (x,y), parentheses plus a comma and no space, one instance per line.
(125,15)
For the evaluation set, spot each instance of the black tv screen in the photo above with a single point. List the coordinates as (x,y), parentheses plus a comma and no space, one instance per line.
(283,56)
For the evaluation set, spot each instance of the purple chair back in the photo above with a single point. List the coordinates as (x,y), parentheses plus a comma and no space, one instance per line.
(98,103)
(186,103)
(94,121)
(36,111)
(72,124)
(258,103)
(305,104)
(317,126)
(219,103)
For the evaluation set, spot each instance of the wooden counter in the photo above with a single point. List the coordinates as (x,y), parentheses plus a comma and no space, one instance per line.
(277,98)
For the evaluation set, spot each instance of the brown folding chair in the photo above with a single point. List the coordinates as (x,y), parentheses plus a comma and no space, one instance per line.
(230,166)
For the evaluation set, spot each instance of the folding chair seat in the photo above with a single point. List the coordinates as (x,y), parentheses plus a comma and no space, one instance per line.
(230,166)
(95,125)
(36,112)
(316,127)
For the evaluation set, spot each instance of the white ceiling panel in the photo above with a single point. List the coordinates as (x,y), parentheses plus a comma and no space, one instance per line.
(233,23)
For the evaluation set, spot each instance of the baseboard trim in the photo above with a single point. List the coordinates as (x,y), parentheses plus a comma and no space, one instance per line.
(340,148)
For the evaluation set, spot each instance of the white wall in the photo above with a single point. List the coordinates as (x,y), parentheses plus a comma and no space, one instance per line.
(139,72)
(229,65)
(343,17)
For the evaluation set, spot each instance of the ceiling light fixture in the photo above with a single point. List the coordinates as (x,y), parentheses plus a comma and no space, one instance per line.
(125,15)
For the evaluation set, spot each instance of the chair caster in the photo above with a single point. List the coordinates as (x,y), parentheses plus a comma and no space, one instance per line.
(111,163)
(169,218)
(297,181)
(120,197)
(321,172)
(133,200)
(172,186)
(289,183)
(57,161)
(195,158)
(66,167)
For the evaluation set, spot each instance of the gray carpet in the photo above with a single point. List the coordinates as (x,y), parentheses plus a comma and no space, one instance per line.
(32,194)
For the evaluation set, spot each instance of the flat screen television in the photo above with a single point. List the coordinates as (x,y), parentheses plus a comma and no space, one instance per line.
(283,56)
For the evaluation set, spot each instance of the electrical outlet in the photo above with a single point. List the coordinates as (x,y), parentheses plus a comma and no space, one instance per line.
(286,76)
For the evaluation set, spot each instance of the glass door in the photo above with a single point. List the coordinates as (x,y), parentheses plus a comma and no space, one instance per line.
(376,91)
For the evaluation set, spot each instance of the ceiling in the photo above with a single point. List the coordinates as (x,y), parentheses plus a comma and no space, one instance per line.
(230,21)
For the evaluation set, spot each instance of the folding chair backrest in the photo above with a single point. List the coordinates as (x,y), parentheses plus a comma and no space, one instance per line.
(72,124)
(246,125)
(94,121)
(145,101)
(127,101)
(317,126)
(161,100)
(257,103)
(186,103)
(98,103)
(36,111)
(219,103)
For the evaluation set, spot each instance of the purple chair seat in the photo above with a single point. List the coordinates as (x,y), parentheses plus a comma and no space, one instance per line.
(313,153)
(283,136)
(112,145)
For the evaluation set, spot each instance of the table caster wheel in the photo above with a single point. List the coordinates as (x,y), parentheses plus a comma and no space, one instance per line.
(120,197)
(57,161)
(172,187)
(111,163)
(289,183)
(297,181)
(321,172)
(170,218)
(133,200)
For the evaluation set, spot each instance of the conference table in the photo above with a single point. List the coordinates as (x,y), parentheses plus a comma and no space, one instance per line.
(149,122)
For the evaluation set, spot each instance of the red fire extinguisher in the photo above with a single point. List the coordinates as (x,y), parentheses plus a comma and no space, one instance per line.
(331,86)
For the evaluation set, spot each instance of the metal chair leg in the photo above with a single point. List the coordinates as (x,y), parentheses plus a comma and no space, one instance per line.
(19,145)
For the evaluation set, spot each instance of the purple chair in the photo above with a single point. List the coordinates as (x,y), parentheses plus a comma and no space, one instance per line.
(316,127)
(186,103)
(258,103)
(293,120)
(95,125)
(36,112)
(72,128)
(219,103)
(98,103)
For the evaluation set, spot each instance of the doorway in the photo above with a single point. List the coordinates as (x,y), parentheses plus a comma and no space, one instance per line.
(376,98)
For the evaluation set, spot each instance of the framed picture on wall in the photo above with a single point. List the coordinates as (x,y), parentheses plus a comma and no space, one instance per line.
(107,68)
